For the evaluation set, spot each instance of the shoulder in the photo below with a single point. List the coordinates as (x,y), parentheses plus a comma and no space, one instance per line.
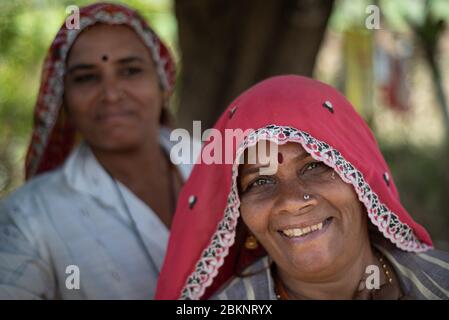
(436,261)
(36,192)
(422,275)
(254,284)
(432,271)
(431,262)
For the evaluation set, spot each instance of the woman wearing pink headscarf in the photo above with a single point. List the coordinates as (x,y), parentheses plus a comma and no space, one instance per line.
(326,224)
(93,220)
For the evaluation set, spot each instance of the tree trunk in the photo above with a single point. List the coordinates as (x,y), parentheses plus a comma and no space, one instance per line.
(229,45)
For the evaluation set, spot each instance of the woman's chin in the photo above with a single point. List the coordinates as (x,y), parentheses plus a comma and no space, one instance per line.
(313,262)
(317,258)
(119,144)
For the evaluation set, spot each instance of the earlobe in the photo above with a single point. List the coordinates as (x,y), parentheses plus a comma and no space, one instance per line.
(280,158)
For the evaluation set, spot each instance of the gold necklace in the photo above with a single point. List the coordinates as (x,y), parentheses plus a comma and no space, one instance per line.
(384,267)
(279,289)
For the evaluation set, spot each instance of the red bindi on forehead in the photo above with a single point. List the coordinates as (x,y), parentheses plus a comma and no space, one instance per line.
(280,157)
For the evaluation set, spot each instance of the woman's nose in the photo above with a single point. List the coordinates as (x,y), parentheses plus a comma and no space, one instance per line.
(293,198)
(111,89)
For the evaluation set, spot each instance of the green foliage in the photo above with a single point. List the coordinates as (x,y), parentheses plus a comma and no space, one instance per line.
(396,14)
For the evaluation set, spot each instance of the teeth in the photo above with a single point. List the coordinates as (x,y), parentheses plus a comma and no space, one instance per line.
(298,232)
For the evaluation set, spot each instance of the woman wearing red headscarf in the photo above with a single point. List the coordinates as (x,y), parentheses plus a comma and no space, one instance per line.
(326,224)
(93,220)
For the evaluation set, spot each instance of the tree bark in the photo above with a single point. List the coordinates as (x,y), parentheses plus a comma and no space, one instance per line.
(229,45)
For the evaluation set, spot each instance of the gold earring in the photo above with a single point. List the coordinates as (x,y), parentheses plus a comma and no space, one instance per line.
(251,242)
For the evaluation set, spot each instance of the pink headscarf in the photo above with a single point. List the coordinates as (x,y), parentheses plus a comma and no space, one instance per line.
(53,137)
(203,252)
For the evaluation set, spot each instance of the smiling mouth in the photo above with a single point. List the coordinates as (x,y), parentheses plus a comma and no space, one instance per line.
(302,232)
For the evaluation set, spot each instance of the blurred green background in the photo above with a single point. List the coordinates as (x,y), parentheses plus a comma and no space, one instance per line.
(414,141)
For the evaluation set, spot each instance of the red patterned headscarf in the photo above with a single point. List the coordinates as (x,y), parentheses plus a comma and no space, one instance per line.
(203,251)
(53,137)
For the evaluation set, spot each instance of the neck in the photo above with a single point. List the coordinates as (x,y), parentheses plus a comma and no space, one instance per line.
(134,167)
(338,285)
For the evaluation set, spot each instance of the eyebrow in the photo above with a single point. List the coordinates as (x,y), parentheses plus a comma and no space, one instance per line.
(81,66)
(254,169)
(86,66)
(130,59)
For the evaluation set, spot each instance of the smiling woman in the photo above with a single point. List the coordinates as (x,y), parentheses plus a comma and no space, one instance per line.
(311,224)
(328,224)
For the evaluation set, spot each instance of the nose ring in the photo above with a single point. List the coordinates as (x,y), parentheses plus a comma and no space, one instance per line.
(306,196)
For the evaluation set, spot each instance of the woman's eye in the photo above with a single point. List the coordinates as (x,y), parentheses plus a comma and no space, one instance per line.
(259,182)
(85,78)
(132,71)
(314,168)
(313,165)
